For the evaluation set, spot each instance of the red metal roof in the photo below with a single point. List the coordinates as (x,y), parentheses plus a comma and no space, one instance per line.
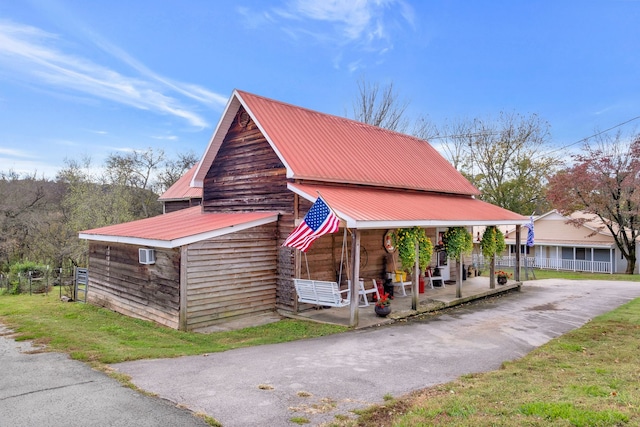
(322,147)
(182,188)
(364,207)
(178,228)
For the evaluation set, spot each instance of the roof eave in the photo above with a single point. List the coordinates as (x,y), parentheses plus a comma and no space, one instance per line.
(375,185)
(182,241)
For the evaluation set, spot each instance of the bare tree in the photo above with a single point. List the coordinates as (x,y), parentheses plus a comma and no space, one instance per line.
(135,173)
(380,107)
(508,159)
(174,169)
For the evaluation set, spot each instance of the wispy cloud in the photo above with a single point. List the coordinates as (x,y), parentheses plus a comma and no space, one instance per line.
(165,137)
(35,56)
(15,153)
(366,24)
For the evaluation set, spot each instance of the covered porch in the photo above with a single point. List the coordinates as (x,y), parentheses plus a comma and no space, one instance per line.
(431,300)
(371,213)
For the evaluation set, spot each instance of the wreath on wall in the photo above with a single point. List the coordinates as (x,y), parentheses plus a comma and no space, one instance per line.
(492,242)
(405,240)
(457,241)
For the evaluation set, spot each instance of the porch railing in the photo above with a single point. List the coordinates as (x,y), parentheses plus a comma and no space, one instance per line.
(549,263)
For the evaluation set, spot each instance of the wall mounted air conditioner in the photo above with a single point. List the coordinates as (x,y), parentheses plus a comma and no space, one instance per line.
(146,256)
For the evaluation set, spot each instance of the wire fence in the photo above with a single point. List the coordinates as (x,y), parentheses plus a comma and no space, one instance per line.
(47,280)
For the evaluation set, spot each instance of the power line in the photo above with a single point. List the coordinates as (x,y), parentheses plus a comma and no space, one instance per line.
(467,135)
(596,134)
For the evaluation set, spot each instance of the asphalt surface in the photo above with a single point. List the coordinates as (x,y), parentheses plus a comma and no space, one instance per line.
(314,379)
(49,389)
(320,378)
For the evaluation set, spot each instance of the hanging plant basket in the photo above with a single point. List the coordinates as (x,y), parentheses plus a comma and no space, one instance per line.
(492,242)
(457,241)
(405,240)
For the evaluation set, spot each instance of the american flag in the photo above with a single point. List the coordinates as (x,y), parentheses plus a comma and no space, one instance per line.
(530,239)
(318,221)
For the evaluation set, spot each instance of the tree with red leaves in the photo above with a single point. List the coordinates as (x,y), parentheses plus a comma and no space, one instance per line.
(604,181)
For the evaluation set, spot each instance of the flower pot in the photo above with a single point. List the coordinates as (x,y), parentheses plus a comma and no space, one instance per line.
(383,311)
(502,280)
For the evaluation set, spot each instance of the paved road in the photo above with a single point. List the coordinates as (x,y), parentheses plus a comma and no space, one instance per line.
(320,378)
(49,389)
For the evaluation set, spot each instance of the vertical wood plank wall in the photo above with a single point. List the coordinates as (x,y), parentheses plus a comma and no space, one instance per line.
(230,276)
(120,283)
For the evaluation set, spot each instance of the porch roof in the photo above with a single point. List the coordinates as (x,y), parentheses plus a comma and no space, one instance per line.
(178,228)
(368,207)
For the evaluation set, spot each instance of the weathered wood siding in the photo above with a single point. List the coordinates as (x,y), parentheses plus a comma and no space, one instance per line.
(247,175)
(231,276)
(119,282)
(176,205)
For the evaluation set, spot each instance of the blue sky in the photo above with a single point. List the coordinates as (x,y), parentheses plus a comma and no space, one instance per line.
(82,78)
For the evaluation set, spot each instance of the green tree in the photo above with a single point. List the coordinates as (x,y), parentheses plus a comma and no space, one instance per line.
(604,181)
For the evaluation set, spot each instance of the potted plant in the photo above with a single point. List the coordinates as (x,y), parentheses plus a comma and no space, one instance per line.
(383,306)
(502,277)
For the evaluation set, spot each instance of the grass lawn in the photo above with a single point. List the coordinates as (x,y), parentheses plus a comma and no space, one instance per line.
(98,335)
(587,377)
(552,274)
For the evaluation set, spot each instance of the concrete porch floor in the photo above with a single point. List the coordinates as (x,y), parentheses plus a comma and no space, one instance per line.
(431,300)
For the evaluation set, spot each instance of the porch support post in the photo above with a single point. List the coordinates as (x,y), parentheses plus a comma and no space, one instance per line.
(355,278)
(416,279)
(611,260)
(492,272)
(516,273)
(459,277)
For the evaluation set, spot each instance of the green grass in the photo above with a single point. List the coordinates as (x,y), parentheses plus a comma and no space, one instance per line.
(94,334)
(552,274)
(587,377)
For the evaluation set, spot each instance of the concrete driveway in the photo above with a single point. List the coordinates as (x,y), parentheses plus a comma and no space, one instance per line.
(320,378)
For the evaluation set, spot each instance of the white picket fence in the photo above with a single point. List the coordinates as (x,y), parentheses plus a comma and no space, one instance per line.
(550,263)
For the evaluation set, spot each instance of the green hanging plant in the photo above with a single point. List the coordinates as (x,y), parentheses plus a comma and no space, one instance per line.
(404,240)
(457,241)
(492,242)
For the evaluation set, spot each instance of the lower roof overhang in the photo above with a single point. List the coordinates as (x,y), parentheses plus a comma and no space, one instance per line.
(375,208)
(178,228)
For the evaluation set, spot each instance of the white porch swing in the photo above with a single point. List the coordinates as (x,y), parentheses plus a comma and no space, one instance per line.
(326,293)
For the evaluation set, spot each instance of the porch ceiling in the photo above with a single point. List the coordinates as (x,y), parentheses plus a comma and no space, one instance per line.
(376,208)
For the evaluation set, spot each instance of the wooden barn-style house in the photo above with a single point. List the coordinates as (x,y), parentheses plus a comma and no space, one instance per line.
(217,254)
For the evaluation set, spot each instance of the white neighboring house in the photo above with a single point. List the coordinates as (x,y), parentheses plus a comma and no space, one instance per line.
(560,245)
